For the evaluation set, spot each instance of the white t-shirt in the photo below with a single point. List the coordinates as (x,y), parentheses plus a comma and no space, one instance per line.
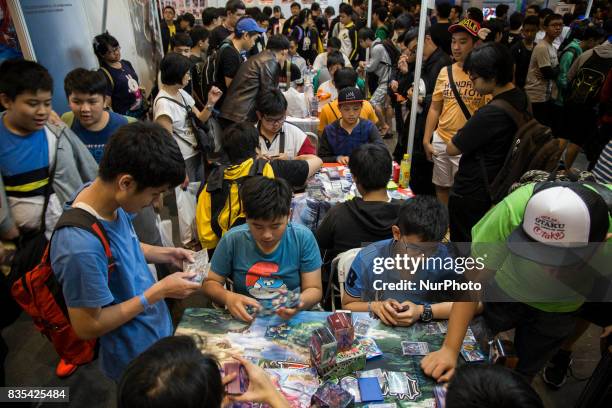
(321,62)
(294,139)
(181,129)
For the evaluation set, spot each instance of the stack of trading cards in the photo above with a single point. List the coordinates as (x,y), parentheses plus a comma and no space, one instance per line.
(415,348)
(199,266)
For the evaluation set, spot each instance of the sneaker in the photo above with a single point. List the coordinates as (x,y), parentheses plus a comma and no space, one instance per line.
(556,372)
(65,369)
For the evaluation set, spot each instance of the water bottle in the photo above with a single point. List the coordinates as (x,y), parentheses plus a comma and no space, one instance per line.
(404,176)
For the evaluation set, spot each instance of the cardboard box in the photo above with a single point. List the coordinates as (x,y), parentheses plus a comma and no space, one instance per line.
(341,325)
(323,347)
(347,362)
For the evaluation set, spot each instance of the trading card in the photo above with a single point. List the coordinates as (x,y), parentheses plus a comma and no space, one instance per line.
(199,266)
(415,348)
(351,385)
(238,385)
(440,396)
(384,405)
(375,373)
(362,327)
(471,354)
(371,348)
(432,329)
(443,326)
(398,383)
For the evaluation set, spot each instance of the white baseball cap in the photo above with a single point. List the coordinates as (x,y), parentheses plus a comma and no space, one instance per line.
(560,225)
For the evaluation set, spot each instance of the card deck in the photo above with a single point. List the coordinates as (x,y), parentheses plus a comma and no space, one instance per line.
(284,298)
(362,327)
(240,384)
(398,383)
(471,353)
(199,266)
(370,347)
(415,348)
(369,388)
(375,373)
(351,385)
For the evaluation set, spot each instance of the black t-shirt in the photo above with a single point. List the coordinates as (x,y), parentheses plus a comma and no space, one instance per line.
(219,34)
(356,223)
(228,62)
(488,134)
(441,37)
(294,171)
(522,57)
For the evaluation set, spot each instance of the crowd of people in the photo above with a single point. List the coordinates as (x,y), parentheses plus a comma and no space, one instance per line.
(497,97)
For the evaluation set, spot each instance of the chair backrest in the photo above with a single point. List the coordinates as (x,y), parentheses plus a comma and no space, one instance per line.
(314,140)
(341,265)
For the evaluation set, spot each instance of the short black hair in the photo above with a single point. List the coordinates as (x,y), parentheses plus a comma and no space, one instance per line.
(169,7)
(475,14)
(303,16)
(330,11)
(552,17)
(491,61)
(443,9)
(370,164)
(173,68)
(278,43)
(382,13)
(147,152)
(486,385)
(458,9)
(209,14)
(358,3)
(172,372)
(198,34)
(271,101)
(267,11)
(102,43)
(18,76)
(366,33)
(296,4)
(181,40)
(501,10)
(265,198)
(315,6)
(188,17)
(334,42)
(516,20)
(535,8)
(85,81)
(233,5)
(346,9)
(240,141)
(335,58)
(412,34)
(532,21)
(345,78)
(424,216)
(545,12)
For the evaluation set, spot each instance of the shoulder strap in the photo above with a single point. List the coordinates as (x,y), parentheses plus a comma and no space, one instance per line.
(258,167)
(518,118)
(175,101)
(49,189)
(464,109)
(79,218)
(281,148)
(109,76)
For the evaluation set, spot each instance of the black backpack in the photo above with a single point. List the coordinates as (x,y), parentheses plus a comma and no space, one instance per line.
(204,73)
(588,81)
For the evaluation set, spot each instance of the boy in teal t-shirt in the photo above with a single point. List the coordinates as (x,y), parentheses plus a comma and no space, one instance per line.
(266,255)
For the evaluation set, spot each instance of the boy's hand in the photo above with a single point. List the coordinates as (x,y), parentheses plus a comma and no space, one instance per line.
(176,256)
(343,160)
(429,151)
(237,303)
(226,379)
(440,364)
(178,285)
(286,313)
(409,313)
(261,388)
(386,311)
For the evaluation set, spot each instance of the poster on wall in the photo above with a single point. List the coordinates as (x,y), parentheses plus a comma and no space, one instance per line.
(563,8)
(9,43)
(194,7)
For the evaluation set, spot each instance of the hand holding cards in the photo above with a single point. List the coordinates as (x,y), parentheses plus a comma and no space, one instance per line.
(240,384)
(199,266)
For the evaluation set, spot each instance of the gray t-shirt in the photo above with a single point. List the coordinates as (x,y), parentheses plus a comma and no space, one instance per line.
(537,87)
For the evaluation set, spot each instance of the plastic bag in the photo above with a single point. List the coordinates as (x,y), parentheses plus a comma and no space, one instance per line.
(186,201)
(296,104)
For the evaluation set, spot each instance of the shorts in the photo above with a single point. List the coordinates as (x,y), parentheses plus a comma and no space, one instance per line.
(445,166)
(378,97)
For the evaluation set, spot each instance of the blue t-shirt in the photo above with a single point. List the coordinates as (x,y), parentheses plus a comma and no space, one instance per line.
(260,275)
(95,141)
(361,281)
(20,155)
(80,265)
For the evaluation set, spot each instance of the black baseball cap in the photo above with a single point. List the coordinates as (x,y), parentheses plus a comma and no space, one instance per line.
(350,95)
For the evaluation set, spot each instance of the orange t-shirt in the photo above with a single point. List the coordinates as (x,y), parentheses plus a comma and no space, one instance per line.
(330,113)
(452,118)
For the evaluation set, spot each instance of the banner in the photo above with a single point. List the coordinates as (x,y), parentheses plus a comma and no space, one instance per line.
(9,43)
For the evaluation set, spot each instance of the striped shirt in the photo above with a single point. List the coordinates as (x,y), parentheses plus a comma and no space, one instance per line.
(603,168)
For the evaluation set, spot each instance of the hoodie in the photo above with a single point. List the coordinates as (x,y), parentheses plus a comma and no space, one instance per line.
(603,50)
(356,223)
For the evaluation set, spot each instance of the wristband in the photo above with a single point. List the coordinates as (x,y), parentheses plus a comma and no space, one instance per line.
(144,302)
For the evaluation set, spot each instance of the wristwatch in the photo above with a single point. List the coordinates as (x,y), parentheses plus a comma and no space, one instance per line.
(427,315)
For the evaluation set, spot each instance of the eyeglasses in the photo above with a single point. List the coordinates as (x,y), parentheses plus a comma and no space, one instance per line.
(275,121)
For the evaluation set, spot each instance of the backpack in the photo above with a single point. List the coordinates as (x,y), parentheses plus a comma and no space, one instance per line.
(39,293)
(394,54)
(588,81)
(392,51)
(533,148)
(204,73)
(219,207)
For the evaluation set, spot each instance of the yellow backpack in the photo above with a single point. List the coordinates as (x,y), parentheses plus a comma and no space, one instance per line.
(219,207)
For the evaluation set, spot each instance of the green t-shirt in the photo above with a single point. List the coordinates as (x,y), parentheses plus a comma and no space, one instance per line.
(520,278)
(382,33)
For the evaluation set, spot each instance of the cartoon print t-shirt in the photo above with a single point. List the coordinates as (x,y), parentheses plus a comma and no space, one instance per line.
(260,275)
(124,89)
